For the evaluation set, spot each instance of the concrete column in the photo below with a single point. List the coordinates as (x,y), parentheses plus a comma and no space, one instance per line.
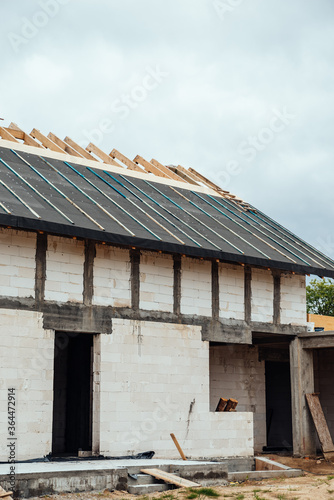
(302,382)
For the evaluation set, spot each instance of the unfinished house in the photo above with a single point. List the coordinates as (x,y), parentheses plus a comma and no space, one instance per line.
(134,295)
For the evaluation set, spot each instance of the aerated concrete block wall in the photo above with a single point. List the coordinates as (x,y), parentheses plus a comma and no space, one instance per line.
(236,372)
(231,291)
(64,269)
(156,282)
(17,263)
(154,380)
(196,287)
(293,299)
(262,295)
(26,365)
(112,277)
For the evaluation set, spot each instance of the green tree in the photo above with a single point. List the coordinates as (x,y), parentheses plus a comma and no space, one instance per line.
(320,297)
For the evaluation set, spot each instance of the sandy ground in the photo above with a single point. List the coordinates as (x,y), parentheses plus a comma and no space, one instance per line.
(317,483)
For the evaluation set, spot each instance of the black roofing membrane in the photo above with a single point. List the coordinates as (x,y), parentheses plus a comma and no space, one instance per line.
(209,226)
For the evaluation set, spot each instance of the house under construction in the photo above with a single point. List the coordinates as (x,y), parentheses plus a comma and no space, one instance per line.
(134,295)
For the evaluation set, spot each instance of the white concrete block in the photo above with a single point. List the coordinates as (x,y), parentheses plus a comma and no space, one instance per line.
(150,375)
(196,287)
(64,281)
(31,348)
(156,282)
(262,295)
(112,277)
(17,258)
(293,299)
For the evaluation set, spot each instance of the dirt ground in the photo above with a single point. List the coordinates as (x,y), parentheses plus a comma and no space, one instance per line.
(317,483)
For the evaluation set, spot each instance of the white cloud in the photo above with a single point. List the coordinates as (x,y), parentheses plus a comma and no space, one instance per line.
(225,78)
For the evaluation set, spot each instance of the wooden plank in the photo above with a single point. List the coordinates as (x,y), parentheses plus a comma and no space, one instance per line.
(184,176)
(79,149)
(7,136)
(150,168)
(190,174)
(205,180)
(231,405)
(65,147)
(6,495)
(221,404)
(130,164)
(179,449)
(320,425)
(265,464)
(45,141)
(170,478)
(27,139)
(165,169)
(91,148)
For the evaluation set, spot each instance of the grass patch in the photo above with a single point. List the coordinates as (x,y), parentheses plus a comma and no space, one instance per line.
(202,492)
(257,497)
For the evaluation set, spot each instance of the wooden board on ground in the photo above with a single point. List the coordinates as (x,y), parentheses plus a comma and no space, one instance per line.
(5,495)
(321,425)
(170,478)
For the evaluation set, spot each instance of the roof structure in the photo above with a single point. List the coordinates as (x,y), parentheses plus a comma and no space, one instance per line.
(56,186)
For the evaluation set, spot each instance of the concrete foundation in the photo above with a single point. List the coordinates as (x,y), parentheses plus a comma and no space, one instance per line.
(46,478)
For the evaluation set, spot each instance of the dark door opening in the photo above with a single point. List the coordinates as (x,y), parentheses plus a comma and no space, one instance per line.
(278,406)
(72,404)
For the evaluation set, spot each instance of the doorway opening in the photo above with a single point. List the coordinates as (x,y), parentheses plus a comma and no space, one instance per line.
(278,406)
(73,390)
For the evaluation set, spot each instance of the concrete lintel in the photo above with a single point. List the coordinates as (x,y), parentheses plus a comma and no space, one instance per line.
(283,329)
(323,342)
(317,335)
(95,319)
(229,331)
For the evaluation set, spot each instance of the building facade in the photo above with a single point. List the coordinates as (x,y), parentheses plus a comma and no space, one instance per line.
(112,337)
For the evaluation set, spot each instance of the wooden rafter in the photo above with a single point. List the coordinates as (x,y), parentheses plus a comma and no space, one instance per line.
(14,134)
(79,149)
(184,175)
(20,134)
(47,143)
(162,167)
(150,168)
(65,147)
(7,136)
(130,164)
(189,174)
(91,148)
(209,183)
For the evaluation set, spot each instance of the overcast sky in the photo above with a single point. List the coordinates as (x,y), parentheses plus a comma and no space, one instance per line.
(241,90)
